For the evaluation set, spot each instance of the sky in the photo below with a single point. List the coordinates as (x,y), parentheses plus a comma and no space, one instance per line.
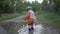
(40,1)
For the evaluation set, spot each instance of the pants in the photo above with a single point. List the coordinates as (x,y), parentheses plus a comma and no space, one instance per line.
(30,26)
(30,23)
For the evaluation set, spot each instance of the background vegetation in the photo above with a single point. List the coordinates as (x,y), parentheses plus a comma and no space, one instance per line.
(49,9)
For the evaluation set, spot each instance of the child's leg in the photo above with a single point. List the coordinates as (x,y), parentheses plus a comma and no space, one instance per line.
(29,27)
(32,27)
(30,24)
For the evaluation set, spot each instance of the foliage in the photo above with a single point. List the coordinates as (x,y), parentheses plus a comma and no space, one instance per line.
(55,3)
(36,5)
(21,7)
(9,16)
(5,5)
(44,3)
(49,18)
(8,5)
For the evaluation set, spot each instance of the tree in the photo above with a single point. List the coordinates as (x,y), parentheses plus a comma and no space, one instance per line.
(44,3)
(57,5)
(5,5)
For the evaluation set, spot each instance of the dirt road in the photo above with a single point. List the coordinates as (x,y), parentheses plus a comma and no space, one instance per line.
(38,28)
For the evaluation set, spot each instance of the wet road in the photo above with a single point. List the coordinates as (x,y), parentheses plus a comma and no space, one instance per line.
(39,29)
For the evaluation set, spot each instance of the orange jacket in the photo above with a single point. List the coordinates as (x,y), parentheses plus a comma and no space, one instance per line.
(30,20)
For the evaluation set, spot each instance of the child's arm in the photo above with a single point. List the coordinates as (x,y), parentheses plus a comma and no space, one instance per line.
(27,16)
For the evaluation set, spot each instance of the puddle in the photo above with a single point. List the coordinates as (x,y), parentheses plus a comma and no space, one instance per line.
(37,30)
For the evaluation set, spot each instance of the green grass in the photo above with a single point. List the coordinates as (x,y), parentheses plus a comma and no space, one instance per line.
(49,18)
(9,16)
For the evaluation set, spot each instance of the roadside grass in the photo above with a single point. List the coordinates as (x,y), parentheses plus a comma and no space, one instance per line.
(49,18)
(5,17)
(9,16)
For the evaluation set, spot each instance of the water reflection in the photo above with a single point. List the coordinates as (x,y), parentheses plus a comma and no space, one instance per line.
(37,30)
(30,32)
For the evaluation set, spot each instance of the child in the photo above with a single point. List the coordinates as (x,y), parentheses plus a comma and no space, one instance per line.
(30,17)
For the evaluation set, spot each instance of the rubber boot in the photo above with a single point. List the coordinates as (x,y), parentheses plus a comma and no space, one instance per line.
(32,28)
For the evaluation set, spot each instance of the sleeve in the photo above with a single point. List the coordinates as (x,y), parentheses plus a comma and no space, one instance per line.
(27,15)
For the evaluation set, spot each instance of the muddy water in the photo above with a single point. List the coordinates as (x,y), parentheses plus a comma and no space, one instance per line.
(39,29)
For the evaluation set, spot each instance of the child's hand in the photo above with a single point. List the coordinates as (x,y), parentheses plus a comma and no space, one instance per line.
(24,19)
